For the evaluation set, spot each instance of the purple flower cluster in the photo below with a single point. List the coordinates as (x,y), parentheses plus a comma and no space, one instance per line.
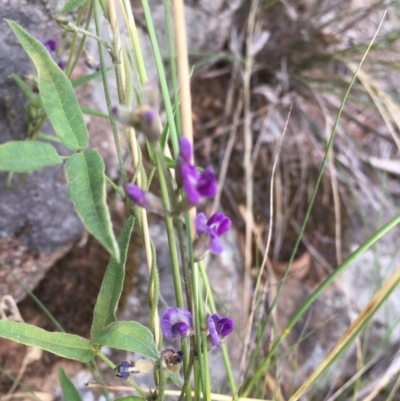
(211,229)
(178,323)
(219,328)
(51,46)
(197,186)
(137,195)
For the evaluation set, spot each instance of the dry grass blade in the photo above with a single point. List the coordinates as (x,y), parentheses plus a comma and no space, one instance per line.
(227,154)
(266,252)
(378,385)
(383,103)
(171,393)
(351,332)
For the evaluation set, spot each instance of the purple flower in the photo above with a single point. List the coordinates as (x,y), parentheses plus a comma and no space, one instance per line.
(124,369)
(136,195)
(145,199)
(219,328)
(62,64)
(217,225)
(176,323)
(185,150)
(50,46)
(196,185)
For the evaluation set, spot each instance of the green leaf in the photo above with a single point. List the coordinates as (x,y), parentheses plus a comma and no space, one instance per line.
(129,336)
(71,5)
(68,346)
(24,156)
(111,287)
(87,190)
(93,112)
(58,96)
(169,162)
(47,137)
(87,78)
(174,378)
(130,398)
(34,99)
(70,393)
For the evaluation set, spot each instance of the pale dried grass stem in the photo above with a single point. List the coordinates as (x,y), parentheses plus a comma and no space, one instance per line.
(248,146)
(265,258)
(145,227)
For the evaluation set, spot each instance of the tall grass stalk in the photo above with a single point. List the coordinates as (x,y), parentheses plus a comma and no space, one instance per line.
(340,268)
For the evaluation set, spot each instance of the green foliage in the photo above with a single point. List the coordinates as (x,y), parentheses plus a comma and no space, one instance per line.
(174,378)
(87,190)
(93,112)
(71,5)
(112,285)
(70,393)
(86,78)
(25,156)
(56,92)
(34,99)
(129,336)
(130,398)
(68,346)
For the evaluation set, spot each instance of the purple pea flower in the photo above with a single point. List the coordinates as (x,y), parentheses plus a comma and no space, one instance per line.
(219,328)
(145,199)
(209,231)
(62,64)
(176,323)
(185,150)
(197,185)
(50,46)
(136,195)
(124,370)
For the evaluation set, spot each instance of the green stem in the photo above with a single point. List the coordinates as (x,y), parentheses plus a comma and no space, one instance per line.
(161,76)
(22,385)
(70,65)
(107,95)
(33,296)
(172,62)
(83,40)
(185,263)
(161,384)
(68,26)
(135,42)
(197,315)
(115,187)
(224,349)
(203,357)
(171,236)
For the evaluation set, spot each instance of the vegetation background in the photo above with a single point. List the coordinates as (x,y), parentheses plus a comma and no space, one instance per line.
(268,80)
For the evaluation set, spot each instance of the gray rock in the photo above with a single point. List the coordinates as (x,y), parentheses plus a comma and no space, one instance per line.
(38,224)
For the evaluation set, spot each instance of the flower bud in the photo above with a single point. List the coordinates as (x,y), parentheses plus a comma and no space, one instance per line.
(145,199)
(172,360)
(150,95)
(143,118)
(147,120)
